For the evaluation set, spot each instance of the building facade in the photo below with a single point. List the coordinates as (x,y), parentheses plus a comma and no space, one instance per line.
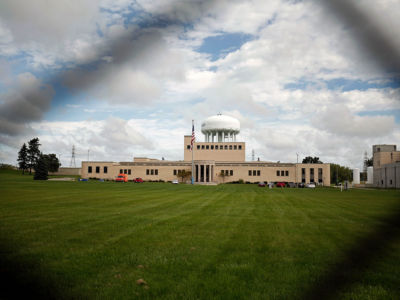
(386,163)
(220,159)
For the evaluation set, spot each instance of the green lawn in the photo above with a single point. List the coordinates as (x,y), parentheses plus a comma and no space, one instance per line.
(96,239)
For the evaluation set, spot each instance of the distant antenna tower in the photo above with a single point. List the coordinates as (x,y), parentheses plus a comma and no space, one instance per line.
(73,164)
(252,155)
(365,162)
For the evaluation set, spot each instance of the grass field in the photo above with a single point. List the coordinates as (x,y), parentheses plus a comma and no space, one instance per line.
(96,239)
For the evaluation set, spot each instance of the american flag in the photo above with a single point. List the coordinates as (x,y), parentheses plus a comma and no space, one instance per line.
(193,138)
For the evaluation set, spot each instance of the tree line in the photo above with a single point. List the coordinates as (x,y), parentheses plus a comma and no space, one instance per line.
(31,158)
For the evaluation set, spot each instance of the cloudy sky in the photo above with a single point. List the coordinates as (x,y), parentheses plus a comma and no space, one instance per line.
(125,78)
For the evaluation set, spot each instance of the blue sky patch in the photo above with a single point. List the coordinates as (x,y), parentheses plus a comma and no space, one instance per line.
(341,84)
(220,45)
(393,112)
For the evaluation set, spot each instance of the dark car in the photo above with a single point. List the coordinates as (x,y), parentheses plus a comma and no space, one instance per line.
(301,185)
(261,184)
(138,180)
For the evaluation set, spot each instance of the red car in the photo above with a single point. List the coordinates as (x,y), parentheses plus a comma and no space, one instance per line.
(280,184)
(138,180)
(122,178)
(261,184)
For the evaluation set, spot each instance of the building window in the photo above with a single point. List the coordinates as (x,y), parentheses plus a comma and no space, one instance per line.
(230,147)
(105,170)
(188,147)
(121,171)
(258,172)
(152,172)
(97,169)
(278,173)
(156,172)
(287,173)
(129,172)
(235,147)
(240,147)
(216,147)
(198,147)
(226,172)
(303,175)
(249,172)
(147,172)
(254,173)
(175,172)
(89,169)
(231,172)
(221,147)
(207,147)
(319,174)
(212,147)
(311,175)
(282,173)
(202,147)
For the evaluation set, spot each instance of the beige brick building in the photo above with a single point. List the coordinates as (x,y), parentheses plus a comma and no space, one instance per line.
(219,159)
(386,163)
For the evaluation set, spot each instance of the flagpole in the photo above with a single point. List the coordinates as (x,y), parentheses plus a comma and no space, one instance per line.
(192,152)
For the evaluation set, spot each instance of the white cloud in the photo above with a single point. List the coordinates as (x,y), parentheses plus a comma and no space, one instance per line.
(339,120)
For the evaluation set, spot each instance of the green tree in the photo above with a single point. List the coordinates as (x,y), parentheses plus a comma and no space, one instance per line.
(184,174)
(52,162)
(370,162)
(311,160)
(41,169)
(33,153)
(23,158)
(340,173)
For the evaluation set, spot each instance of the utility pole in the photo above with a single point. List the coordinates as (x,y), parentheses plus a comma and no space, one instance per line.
(73,164)
(88,155)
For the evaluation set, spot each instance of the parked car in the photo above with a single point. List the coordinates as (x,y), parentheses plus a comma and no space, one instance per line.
(291,184)
(261,184)
(175,181)
(280,184)
(310,185)
(121,178)
(301,185)
(138,180)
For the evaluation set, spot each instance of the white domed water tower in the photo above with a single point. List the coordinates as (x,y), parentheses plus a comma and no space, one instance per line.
(220,128)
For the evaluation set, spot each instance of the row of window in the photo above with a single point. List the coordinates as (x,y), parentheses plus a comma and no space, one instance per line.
(90,169)
(282,173)
(217,147)
(177,171)
(312,176)
(254,172)
(125,171)
(227,172)
(151,171)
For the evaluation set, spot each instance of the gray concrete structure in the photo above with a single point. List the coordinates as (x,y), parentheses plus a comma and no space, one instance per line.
(388,176)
